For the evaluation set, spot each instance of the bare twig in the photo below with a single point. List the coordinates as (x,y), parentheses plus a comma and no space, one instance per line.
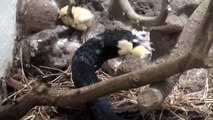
(14,83)
(130,13)
(190,34)
(44,95)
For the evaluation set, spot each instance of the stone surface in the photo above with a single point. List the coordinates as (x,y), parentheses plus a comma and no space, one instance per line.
(194,80)
(40,14)
(38,46)
(185,6)
(48,49)
(119,66)
(146,7)
(8,33)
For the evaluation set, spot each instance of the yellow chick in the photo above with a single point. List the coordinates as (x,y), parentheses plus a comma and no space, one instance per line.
(81,18)
(124,47)
(140,51)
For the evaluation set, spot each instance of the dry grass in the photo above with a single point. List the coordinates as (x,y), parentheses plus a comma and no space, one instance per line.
(199,103)
(179,105)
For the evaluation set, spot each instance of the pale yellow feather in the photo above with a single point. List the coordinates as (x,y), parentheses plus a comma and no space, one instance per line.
(124,47)
(140,51)
(82,18)
(63,11)
(81,14)
(66,20)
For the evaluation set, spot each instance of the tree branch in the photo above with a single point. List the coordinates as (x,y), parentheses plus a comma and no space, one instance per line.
(192,32)
(130,13)
(44,95)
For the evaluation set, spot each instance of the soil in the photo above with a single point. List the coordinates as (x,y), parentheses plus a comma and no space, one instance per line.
(60,42)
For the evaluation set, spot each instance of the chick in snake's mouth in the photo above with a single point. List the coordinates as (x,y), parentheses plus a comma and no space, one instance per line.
(91,55)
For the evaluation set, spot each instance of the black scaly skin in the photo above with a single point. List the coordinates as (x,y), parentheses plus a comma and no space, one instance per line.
(88,58)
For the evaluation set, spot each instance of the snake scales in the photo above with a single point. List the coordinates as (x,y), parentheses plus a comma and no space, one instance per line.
(90,56)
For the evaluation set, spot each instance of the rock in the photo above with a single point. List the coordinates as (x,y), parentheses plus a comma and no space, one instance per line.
(38,46)
(62,3)
(185,6)
(94,30)
(117,25)
(146,7)
(119,66)
(47,49)
(98,5)
(194,80)
(132,63)
(211,56)
(111,66)
(62,53)
(40,14)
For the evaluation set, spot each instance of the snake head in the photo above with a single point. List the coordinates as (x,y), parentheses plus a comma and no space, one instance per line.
(139,46)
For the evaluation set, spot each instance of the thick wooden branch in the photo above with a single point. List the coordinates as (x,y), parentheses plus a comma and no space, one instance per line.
(43,95)
(130,13)
(18,108)
(194,31)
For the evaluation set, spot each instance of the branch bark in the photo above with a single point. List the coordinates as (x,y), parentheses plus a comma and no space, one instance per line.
(44,95)
(157,92)
(130,13)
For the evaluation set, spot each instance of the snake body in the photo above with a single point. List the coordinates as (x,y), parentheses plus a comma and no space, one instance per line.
(89,57)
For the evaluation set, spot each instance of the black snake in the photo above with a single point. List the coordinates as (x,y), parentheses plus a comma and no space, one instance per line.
(90,56)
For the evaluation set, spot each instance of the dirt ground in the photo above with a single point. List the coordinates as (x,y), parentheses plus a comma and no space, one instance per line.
(190,99)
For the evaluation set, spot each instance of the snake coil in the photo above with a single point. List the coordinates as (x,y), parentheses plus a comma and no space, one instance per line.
(89,57)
